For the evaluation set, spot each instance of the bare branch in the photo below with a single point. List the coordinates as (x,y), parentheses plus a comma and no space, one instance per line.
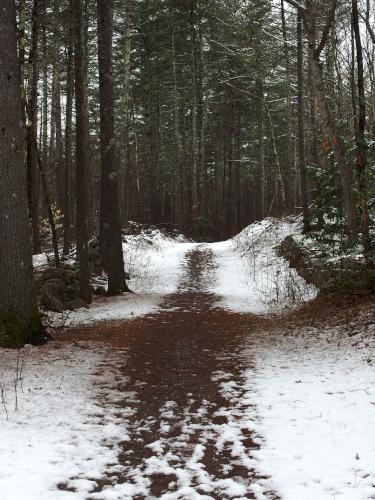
(302,10)
(367,21)
(327,27)
(296,4)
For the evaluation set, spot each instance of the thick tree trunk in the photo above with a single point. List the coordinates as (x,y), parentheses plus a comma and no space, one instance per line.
(110,223)
(346,174)
(82,150)
(344,169)
(19,317)
(45,96)
(22,12)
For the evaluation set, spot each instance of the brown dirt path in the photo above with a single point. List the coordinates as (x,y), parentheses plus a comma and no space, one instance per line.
(177,361)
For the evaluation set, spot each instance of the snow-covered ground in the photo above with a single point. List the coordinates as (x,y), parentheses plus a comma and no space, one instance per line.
(316,401)
(308,396)
(154,262)
(52,426)
(251,278)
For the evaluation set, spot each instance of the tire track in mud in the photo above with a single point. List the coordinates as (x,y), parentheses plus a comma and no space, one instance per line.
(189,419)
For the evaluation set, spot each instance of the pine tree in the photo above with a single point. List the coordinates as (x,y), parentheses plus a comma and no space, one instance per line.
(110,221)
(19,317)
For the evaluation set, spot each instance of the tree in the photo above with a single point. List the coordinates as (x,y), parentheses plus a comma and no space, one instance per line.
(360,135)
(32,129)
(82,150)
(309,14)
(301,127)
(110,220)
(205,111)
(68,140)
(19,317)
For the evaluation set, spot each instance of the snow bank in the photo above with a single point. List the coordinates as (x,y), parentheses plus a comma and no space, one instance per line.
(248,276)
(251,278)
(154,262)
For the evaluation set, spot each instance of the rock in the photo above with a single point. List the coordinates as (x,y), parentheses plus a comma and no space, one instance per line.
(76,303)
(346,275)
(59,288)
(51,302)
(53,287)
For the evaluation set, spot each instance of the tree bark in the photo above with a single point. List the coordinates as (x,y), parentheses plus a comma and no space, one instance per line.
(126,107)
(110,222)
(82,150)
(194,106)
(59,165)
(288,140)
(178,181)
(22,12)
(32,130)
(309,20)
(19,317)
(68,141)
(301,128)
(361,152)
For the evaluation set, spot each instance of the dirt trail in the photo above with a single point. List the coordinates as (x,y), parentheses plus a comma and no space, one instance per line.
(187,423)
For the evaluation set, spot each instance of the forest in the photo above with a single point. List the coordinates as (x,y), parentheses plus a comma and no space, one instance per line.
(166,163)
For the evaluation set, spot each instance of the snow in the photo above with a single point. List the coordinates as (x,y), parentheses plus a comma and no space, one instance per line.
(154,263)
(40,260)
(315,398)
(307,397)
(248,277)
(251,278)
(56,430)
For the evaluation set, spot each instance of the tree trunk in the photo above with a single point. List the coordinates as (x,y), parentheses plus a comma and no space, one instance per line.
(360,135)
(346,175)
(47,200)
(279,174)
(22,12)
(126,108)
(19,317)
(32,130)
(345,171)
(82,150)
(68,142)
(301,128)
(56,114)
(194,106)
(288,140)
(178,182)
(110,223)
